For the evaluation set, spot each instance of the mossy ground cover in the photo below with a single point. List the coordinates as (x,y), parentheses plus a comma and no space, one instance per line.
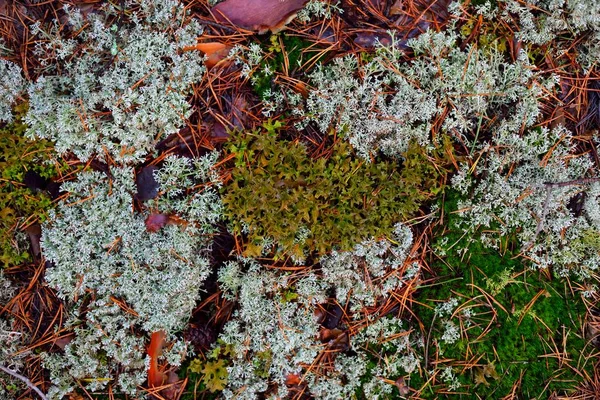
(298,201)
(522,332)
(284,200)
(27,167)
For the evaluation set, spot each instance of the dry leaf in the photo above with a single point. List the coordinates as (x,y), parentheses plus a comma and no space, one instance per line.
(156,222)
(480,377)
(258,15)
(292,380)
(402,386)
(490,371)
(215,52)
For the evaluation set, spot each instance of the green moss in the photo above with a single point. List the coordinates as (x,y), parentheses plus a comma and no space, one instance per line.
(20,206)
(534,317)
(295,49)
(279,193)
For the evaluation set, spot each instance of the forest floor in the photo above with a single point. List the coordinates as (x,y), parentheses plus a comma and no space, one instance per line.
(492,294)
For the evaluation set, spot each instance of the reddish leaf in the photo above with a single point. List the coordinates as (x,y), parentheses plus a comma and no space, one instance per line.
(63,341)
(215,52)
(402,387)
(155,376)
(336,339)
(292,380)
(258,15)
(320,315)
(155,222)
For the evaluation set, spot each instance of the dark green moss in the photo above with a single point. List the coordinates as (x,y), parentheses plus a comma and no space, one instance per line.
(295,49)
(534,317)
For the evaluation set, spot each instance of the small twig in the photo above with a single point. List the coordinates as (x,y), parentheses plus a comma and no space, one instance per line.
(24,380)
(427,341)
(581,181)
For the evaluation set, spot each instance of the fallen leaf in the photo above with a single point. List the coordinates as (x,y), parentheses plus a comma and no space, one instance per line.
(397,8)
(336,339)
(319,315)
(155,376)
(292,380)
(34,231)
(333,316)
(175,388)
(147,187)
(215,52)
(403,388)
(155,222)
(62,341)
(258,15)
(490,371)
(480,377)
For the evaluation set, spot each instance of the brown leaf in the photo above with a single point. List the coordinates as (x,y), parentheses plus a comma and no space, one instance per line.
(258,15)
(292,380)
(34,231)
(156,222)
(336,339)
(215,52)
(62,341)
(319,314)
(480,377)
(370,40)
(402,386)
(397,8)
(175,387)
(325,335)
(490,371)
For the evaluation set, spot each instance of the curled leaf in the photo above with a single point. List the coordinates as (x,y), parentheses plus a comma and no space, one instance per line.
(156,222)
(155,376)
(258,15)
(215,52)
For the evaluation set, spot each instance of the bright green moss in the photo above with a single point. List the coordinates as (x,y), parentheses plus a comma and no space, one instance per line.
(278,193)
(533,315)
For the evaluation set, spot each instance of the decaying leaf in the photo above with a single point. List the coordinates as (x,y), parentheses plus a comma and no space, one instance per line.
(155,222)
(397,8)
(62,341)
(403,388)
(336,339)
(155,376)
(292,380)
(258,15)
(34,232)
(487,371)
(480,378)
(215,52)
(490,371)
(147,187)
